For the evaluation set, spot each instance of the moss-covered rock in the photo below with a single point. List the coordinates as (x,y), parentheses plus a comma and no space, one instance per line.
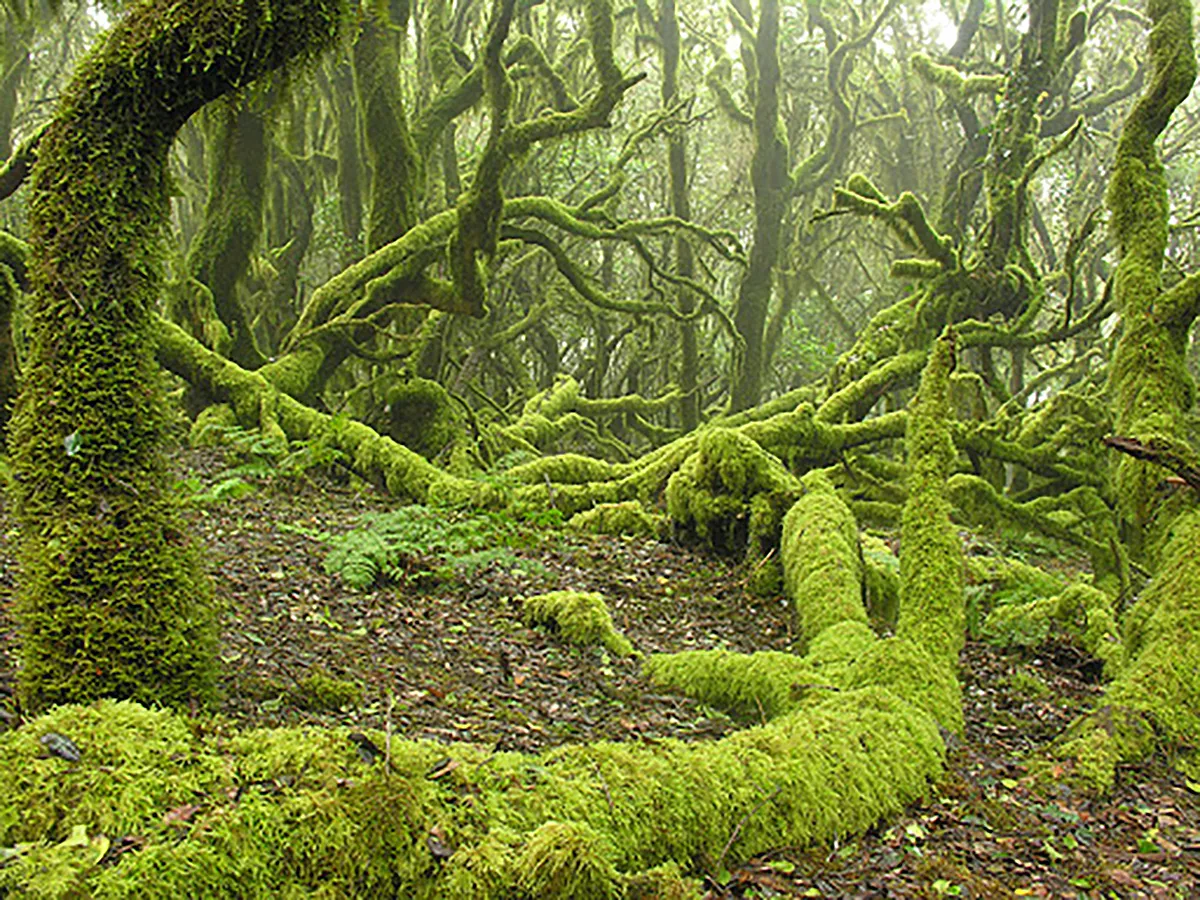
(211,424)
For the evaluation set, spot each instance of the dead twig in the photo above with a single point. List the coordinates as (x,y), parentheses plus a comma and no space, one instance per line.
(742,824)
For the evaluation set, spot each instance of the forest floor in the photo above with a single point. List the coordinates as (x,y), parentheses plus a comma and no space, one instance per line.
(441,653)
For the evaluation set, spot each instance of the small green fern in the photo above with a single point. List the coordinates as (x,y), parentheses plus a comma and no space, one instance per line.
(417,540)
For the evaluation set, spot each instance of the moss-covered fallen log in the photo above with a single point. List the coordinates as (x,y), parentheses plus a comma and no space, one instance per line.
(257,403)
(284,812)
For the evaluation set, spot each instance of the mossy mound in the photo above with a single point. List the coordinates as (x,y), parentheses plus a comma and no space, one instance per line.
(628,518)
(423,417)
(581,617)
(711,496)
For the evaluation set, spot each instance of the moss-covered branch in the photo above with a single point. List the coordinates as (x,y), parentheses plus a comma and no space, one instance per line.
(952,82)
(17,167)
(932,613)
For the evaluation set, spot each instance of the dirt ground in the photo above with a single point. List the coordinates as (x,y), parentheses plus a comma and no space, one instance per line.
(440,652)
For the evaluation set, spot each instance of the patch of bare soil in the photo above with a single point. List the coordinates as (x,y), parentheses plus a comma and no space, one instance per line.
(444,655)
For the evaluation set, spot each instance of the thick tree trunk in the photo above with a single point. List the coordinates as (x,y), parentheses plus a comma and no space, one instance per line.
(236,153)
(112,601)
(1157,688)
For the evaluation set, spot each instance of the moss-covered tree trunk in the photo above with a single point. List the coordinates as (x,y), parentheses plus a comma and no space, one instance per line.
(685,264)
(349,166)
(1156,693)
(395,168)
(769,176)
(112,600)
(235,149)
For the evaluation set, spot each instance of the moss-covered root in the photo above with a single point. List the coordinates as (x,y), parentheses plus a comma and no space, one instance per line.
(932,612)
(627,518)
(294,812)
(112,598)
(582,618)
(822,561)
(1157,689)
(1081,611)
(710,495)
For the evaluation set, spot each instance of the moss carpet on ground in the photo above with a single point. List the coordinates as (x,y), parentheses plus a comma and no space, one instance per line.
(439,649)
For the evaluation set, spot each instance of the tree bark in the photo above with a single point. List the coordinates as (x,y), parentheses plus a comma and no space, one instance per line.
(112,598)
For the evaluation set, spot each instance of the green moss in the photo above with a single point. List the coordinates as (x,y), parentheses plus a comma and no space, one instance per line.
(564,468)
(755,685)
(582,618)
(1011,579)
(822,562)
(1096,744)
(423,417)
(1162,641)
(709,496)
(881,580)
(236,152)
(567,860)
(954,83)
(321,692)
(629,517)
(1148,376)
(914,674)
(1081,611)
(211,424)
(295,812)
(932,611)
(663,882)
(396,167)
(8,350)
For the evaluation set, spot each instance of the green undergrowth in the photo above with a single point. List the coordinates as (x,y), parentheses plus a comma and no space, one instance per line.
(256,458)
(159,804)
(581,617)
(1080,612)
(421,541)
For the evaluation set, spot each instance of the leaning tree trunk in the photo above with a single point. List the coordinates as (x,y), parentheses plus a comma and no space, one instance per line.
(1156,693)
(112,599)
